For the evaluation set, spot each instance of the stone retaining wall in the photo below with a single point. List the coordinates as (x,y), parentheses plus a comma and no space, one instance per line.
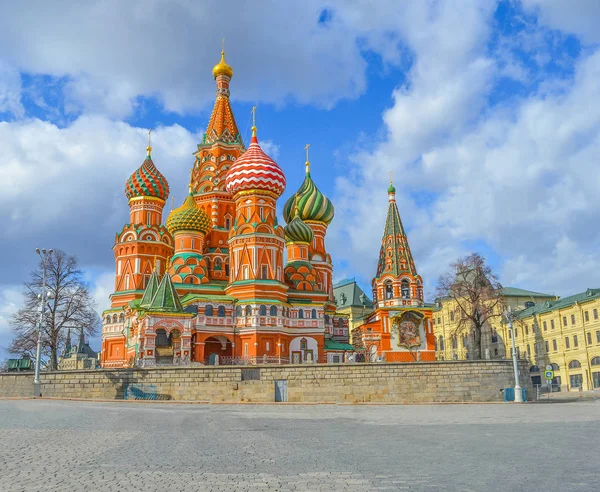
(449,381)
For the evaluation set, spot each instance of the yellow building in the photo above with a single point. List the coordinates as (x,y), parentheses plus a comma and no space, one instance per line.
(562,332)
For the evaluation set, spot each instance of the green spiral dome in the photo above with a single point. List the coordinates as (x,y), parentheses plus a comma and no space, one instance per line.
(312,204)
(298,232)
(188,217)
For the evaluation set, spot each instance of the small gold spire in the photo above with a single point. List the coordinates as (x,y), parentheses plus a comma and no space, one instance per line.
(149,148)
(307,161)
(254,121)
(390,177)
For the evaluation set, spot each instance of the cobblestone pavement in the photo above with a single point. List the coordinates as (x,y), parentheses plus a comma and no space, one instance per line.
(75,446)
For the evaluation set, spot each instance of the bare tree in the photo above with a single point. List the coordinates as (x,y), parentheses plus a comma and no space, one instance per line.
(72,307)
(475,289)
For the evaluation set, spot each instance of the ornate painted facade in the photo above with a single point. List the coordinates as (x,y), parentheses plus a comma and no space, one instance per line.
(213,284)
(400,328)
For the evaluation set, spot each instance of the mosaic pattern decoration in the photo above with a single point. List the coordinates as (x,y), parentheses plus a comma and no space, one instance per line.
(312,204)
(255,170)
(188,217)
(147,181)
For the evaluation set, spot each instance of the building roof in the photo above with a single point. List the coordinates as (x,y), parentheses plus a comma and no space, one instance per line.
(310,203)
(548,306)
(166,299)
(333,345)
(395,257)
(515,292)
(147,180)
(348,294)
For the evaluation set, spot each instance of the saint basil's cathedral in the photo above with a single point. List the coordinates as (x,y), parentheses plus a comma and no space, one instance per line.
(223,282)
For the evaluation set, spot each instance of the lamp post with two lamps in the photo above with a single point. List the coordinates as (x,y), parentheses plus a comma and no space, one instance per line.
(518,390)
(43,297)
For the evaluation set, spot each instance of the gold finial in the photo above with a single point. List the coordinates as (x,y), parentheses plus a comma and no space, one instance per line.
(307,161)
(223,46)
(254,121)
(149,148)
(390,177)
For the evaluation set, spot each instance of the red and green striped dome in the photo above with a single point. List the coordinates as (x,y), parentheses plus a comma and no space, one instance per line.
(147,181)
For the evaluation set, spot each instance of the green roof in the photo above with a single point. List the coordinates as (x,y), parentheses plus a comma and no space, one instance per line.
(348,294)
(333,345)
(166,298)
(548,306)
(150,290)
(514,292)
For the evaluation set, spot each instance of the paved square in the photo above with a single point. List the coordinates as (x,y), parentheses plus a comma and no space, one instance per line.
(75,446)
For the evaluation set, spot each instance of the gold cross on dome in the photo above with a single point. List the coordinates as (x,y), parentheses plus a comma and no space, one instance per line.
(306,148)
(149,148)
(223,45)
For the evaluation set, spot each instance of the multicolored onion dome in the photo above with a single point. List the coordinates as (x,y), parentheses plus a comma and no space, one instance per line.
(298,232)
(188,217)
(222,68)
(312,204)
(147,181)
(255,170)
(391,189)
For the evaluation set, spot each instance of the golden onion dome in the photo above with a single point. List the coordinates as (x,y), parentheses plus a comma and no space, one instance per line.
(188,217)
(222,68)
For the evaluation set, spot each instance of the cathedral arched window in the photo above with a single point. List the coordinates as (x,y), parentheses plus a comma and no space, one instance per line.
(248,311)
(262,310)
(208,310)
(326,318)
(389,290)
(303,344)
(405,289)
(221,311)
(121,317)
(300,314)
(314,314)
(273,310)
(238,311)
(441,342)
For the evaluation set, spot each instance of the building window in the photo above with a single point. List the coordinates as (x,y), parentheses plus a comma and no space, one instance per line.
(526,330)
(598,337)
(221,311)
(494,337)
(575,341)
(273,311)
(314,314)
(465,341)
(545,326)
(576,380)
(405,289)
(262,310)
(451,315)
(595,314)
(547,346)
(564,321)
(441,342)
(439,321)
(245,272)
(454,343)
(554,345)
(516,332)
(238,310)
(389,292)
(264,272)
(300,314)
(528,351)
(303,344)
(589,338)
(552,324)
(248,310)
(208,310)
(586,315)
(227,223)
(572,319)
(148,218)
(262,213)
(567,344)
(574,364)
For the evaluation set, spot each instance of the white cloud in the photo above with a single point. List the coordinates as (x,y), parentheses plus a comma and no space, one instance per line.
(520,178)
(579,17)
(11,299)
(10,90)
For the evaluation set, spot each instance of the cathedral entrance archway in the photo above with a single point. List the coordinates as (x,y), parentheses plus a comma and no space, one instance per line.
(161,338)
(218,345)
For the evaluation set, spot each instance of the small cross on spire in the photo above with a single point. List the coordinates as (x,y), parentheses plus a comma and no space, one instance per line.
(149,148)
(307,161)
(254,121)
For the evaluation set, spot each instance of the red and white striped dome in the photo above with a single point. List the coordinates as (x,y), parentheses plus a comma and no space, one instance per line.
(255,170)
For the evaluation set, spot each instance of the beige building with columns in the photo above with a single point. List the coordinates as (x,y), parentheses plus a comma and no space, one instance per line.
(562,332)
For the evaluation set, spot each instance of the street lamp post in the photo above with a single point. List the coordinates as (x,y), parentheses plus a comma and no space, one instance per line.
(518,390)
(43,296)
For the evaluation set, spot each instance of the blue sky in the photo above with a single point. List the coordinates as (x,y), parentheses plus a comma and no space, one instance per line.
(487,114)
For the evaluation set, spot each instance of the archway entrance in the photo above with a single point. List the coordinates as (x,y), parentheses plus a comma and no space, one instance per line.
(218,346)
(164,349)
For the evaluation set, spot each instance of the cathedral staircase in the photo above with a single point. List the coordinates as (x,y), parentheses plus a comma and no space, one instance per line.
(164,355)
